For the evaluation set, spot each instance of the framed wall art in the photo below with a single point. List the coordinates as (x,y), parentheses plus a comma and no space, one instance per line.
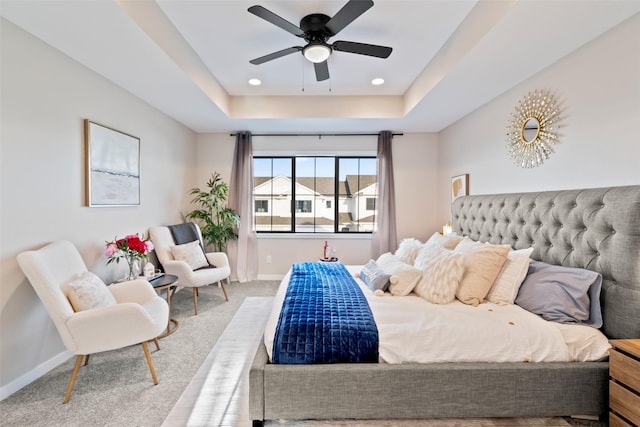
(459,186)
(112,166)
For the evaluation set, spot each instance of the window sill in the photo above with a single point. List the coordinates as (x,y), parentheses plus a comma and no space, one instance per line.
(315,236)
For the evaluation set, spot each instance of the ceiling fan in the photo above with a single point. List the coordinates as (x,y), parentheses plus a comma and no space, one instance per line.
(316,29)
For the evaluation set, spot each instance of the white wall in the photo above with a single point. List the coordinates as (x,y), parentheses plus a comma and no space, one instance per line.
(415,160)
(45,98)
(598,87)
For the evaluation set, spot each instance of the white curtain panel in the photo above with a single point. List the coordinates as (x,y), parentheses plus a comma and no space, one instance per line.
(243,252)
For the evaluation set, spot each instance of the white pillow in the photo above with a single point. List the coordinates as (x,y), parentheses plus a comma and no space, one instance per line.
(404,277)
(191,253)
(408,250)
(585,343)
(505,288)
(441,275)
(482,263)
(88,291)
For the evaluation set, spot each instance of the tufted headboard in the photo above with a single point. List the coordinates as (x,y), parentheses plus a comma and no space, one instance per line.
(597,229)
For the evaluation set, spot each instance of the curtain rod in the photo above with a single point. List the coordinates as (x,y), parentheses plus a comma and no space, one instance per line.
(317,134)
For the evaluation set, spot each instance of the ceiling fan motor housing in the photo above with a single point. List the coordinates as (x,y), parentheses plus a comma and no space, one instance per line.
(314,27)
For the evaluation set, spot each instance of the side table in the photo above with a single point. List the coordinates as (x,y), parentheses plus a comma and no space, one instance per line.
(624,384)
(166,282)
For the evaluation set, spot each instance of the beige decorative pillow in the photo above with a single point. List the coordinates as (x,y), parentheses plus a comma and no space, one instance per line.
(449,241)
(404,277)
(87,292)
(482,265)
(408,250)
(191,253)
(441,275)
(505,288)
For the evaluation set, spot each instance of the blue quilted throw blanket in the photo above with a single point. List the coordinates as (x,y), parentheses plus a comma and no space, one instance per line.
(325,318)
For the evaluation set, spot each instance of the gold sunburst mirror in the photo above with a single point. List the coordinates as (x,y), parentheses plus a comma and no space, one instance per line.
(531,130)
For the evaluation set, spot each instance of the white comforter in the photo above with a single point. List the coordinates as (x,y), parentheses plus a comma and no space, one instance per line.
(414,330)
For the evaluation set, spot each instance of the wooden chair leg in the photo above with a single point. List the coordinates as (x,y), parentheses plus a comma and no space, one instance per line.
(150,362)
(195,300)
(224,291)
(74,374)
(155,340)
(86,360)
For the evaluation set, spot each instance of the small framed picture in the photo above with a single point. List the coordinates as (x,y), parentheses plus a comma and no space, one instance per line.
(112,166)
(459,186)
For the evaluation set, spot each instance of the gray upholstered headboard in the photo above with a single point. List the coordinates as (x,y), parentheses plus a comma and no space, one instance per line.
(597,229)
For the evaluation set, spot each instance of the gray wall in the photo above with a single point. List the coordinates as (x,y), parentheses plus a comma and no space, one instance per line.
(416,184)
(598,87)
(45,98)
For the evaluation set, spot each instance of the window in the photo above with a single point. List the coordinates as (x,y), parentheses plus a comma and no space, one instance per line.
(303,206)
(262,206)
(315,194)
(371,203)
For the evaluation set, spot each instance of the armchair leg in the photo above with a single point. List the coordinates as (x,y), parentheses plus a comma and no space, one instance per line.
(224,291)
(195,300)
(74,374)
(150,362)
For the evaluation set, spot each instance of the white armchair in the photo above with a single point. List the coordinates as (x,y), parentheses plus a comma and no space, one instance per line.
(163,240)
(138,314)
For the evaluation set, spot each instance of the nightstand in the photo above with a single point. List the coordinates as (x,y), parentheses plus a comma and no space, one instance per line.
(624,384)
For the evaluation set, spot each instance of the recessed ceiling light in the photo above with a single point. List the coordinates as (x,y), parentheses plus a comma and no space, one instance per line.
(377,81)
(255,82)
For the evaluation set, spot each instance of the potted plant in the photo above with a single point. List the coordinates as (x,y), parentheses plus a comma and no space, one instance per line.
(216,220)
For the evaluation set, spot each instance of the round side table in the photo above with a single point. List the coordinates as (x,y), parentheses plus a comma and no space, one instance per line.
(166,282)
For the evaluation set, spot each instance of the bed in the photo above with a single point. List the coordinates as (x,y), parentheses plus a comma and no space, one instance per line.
(595,229)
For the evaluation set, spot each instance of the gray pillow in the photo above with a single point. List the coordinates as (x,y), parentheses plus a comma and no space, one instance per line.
(374,277)
(562,294)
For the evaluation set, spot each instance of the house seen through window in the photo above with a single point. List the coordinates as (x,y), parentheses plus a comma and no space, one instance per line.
(313,194)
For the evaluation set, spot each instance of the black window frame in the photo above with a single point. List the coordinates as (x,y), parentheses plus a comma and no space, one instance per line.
(337,229)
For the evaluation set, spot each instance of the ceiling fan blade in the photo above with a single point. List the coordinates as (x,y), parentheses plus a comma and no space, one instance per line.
(362,49)
(322,71)
(269,16)
(347,14)
(276,55)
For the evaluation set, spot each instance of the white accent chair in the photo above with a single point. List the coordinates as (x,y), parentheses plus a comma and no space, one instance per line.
(138,315)
(163,241)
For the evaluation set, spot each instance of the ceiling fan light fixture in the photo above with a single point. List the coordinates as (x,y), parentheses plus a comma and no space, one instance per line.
(316,52)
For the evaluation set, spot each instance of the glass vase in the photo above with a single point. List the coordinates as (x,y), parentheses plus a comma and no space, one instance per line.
(134,269)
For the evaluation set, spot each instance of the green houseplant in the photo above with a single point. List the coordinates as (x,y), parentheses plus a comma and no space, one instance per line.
(216,220)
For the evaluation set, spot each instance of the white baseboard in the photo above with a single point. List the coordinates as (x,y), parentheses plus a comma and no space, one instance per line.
(34,374)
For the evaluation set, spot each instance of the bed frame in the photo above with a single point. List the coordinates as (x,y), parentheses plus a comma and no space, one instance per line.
(597,229)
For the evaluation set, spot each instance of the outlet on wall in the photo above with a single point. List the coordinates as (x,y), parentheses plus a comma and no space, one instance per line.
(268,259)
